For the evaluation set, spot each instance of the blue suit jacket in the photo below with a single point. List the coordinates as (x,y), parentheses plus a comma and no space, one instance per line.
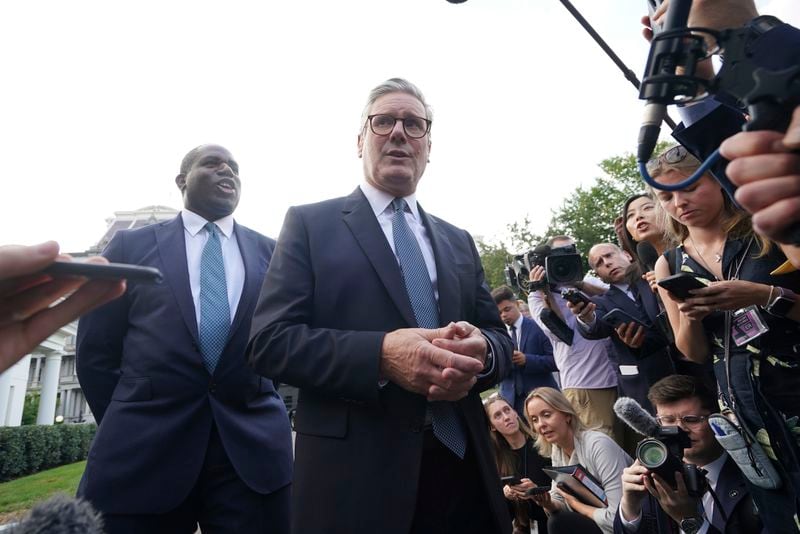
(141,370)
(652,359)
(737,506)
(333,291)
(538,369)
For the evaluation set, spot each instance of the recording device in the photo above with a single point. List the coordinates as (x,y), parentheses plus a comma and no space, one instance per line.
(512,480)
(557,326)
(563,265)
(661,451)
(617,317)
(648,255)
(61,515)
(680,284)
(574,297)
(112,271)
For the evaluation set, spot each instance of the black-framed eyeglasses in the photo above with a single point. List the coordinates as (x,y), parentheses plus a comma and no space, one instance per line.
(688,420)
(414,127)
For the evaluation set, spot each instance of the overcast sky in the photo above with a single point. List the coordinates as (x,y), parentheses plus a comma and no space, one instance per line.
(101,100)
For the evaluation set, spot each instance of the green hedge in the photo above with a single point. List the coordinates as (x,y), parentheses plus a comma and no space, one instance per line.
(25,450)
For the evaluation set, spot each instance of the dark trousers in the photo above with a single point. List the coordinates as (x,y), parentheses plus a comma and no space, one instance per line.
(571,522)
(219,502)
(451,498)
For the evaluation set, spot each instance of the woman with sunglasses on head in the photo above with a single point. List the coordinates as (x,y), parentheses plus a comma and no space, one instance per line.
(561,436)
(745,321)
(516,455)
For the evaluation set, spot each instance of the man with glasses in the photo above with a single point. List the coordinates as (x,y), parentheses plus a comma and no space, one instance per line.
(379,313)
(650,504)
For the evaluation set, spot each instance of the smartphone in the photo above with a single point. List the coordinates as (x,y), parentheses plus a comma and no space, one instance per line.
(574,296)
(680,284)
(512,480)
(617,317)
(114,271)
(538,490)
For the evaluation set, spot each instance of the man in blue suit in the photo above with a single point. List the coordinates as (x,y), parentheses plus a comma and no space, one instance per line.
(640,353)
(379,313)
(533,362)
(187,432)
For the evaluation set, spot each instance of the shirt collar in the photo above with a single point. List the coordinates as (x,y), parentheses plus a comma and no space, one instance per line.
(622,286)
(193,223)
(714,468)
(380,200)
(517,323)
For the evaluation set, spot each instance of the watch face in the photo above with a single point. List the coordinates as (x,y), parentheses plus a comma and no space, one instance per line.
(691,525)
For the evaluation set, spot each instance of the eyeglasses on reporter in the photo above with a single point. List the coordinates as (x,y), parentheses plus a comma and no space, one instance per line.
(414,127)
(688,420)
(676,155)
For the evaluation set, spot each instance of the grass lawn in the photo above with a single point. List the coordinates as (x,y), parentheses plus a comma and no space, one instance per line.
(23,493)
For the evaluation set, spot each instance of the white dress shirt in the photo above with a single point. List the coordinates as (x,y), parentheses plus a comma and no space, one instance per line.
(196,237)
(381,204)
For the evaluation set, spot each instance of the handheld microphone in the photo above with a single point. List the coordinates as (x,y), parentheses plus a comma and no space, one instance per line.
(647,255)
(632,414)
(665,55)
(61,515)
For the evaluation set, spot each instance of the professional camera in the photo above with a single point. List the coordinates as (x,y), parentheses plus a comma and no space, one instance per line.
(663,454)
(562,265)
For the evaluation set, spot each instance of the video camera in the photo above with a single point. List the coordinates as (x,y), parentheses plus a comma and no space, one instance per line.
(662,454)
(563,265)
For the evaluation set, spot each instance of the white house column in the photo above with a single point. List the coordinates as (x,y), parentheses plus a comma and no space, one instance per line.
(50,378)
(13,385)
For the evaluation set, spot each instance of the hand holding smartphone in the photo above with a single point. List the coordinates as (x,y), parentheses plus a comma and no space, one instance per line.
(113,271)
(512,480)
(617,317)
(680,284)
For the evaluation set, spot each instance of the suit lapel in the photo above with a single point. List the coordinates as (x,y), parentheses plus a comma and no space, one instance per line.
(648,300)
(446,274)
(254,270)
(359,218)
(172,249)
(523,338)
(622,301)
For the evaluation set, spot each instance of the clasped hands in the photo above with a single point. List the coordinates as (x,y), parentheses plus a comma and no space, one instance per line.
(442,364)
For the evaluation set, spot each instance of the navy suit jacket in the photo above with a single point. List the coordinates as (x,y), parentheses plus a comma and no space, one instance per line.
(652,359)
(538,369)
(731,491)
(333,291)
(141,370)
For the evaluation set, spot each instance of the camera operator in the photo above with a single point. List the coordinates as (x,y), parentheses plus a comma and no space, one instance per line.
(587,377)
(639,351)
(766,167)
(647,497)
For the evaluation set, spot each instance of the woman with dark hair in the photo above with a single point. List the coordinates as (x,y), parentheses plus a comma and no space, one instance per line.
(562,437)
(746,321)
(641,223)
(516,455)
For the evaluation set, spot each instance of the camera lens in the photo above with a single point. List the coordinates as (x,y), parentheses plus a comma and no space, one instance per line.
(652,453)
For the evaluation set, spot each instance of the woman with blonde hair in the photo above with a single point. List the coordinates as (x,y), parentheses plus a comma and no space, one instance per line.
(561,436)
(746,320)
(516,455)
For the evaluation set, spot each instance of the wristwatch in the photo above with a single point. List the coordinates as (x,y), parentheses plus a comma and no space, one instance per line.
(782,304)
(691,525)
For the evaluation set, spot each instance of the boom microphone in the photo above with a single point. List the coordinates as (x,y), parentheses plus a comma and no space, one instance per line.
(636,417)
(61,515)
(647,255)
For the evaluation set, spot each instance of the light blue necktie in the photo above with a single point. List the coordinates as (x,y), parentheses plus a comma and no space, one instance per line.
(215,313)
(446,425)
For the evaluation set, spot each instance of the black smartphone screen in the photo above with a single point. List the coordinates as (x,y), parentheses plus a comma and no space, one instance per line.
(113,271)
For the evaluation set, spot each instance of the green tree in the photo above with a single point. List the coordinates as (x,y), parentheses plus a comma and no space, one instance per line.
(30,409)
(494,258)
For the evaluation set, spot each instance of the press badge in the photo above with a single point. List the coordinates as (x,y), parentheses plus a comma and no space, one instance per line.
(747,325)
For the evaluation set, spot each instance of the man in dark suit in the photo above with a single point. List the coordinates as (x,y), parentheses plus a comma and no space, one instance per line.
(379,313)
(650,505)
(187,432)
(533,360)
(640,353)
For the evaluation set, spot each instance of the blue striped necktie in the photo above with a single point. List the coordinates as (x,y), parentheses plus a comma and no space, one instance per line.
(215,313)
(446,426)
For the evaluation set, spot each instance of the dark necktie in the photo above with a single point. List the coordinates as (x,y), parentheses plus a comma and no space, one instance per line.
(446,425)
(514,337)
(215,314)
(519,385)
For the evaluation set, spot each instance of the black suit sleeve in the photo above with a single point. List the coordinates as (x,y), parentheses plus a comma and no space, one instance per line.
(284,343)
(99,342)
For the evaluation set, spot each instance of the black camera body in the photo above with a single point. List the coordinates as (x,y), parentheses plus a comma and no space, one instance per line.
(662,454)
(563,265)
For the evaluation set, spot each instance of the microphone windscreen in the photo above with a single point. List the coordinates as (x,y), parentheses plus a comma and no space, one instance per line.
(632,414)
(647,254)
(61,515)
